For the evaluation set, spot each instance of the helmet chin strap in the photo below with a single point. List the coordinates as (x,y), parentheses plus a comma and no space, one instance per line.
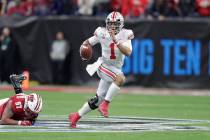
(116,31)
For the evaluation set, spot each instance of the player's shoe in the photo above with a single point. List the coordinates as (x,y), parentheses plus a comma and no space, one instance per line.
(17,80)
(103,108)
(73,119)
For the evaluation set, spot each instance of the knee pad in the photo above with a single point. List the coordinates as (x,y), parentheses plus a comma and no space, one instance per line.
(93,102)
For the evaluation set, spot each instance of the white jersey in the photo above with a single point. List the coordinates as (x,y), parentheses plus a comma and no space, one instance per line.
(111,54)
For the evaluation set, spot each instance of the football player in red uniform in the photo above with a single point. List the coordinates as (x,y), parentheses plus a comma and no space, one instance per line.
(20,109)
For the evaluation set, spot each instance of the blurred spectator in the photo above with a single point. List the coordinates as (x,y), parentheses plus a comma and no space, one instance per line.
(28,7)
(20,8)
(102,7)
(203,7)
(70,7)
(134,8)
(172,8)
(7,55)
(116,5)
(85,7)
(187,7)
(156,9)
(16,9)
(56,7)
(63,7)
(126,7)
(42,7)
(129,8)
(3,5)
(164,8)
(10,4)
(59,50)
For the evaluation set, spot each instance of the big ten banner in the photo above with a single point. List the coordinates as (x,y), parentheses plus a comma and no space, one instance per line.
(170,52)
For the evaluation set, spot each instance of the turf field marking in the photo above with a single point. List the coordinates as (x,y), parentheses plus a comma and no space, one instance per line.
(59,123)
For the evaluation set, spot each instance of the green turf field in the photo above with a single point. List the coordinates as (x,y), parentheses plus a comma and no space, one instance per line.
(176,107)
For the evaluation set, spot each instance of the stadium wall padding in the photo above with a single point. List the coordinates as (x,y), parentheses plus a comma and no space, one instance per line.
(166,53)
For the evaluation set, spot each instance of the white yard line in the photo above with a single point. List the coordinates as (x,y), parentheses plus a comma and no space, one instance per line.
(59,123)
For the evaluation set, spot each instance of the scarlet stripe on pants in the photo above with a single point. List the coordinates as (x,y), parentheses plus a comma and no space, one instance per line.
(108,72)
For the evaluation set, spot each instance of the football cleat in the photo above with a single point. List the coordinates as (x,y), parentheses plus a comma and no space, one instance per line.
(17,80)
(73,119)
(103,109)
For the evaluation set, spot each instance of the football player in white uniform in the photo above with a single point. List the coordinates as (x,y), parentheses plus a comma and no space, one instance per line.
(115,44)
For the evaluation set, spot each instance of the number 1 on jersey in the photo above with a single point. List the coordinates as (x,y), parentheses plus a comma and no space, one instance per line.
(112,56)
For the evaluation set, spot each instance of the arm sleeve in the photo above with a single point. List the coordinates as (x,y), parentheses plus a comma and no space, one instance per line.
(128,44)
(130,35)
(93,40)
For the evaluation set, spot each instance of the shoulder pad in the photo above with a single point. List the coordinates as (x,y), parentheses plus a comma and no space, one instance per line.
(129,33)
(99,31)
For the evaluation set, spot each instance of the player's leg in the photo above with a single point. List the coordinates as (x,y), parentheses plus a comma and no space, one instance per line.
(117,78)
(16,81)
(92,104)
(115,87)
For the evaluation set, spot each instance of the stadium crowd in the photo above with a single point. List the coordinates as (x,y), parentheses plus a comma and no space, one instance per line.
(128,8)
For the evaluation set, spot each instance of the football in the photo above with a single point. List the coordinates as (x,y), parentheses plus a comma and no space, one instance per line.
(86,52)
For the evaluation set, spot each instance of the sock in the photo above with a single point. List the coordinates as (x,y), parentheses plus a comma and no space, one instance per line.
(112,91)
(84,110)
(18,90)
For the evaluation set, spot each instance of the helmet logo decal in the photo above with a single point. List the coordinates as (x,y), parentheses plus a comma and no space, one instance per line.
(113,15)
(38,103)
(31,98)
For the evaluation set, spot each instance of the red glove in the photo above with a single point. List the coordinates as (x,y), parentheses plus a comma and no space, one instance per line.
(24,123)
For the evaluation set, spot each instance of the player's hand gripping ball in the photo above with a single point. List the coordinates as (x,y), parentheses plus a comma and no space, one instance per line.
(86,52)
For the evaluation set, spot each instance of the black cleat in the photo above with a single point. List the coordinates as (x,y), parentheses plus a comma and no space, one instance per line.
(17,80)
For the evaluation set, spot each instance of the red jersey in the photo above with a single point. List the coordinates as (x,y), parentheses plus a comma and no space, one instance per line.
(18,102)
(203,7)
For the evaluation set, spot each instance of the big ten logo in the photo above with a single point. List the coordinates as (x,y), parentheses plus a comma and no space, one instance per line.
(142,59)
(168,57)
(181,56)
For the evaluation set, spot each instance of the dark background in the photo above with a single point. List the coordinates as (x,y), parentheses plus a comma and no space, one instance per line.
(34,36)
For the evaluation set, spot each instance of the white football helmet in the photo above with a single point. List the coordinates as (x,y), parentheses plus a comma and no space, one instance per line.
(34,103)
(114,21)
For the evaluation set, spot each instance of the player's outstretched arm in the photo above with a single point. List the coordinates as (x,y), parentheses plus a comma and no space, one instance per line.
(8,113)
